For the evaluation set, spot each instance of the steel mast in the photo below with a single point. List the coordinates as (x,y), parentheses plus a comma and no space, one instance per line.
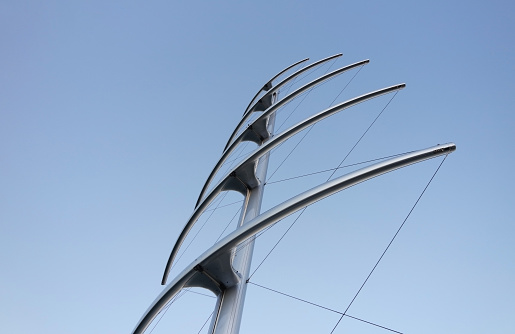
(229,306)
(224,268)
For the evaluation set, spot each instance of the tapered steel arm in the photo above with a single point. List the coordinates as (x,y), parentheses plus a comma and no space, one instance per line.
(242,178)
(266,87)
(253,134)
(264,102)
(211,258)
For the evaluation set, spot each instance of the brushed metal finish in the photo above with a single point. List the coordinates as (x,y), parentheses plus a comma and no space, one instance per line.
(247,113)
(228,314)
(266,87)
(266,100)
(244,171)
(259,137)
(261,222)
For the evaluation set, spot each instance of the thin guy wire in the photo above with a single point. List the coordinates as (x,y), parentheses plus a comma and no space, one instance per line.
(371,323)
(230,164)
(390,243)
(237,152)
(277,147)
(317,68)
(232,219)
(295,79)
(341,167)
(284,160)
(214,205)
(296,298)
(216,202)
(323,307)
(249,239)
(305,94)
(290,85)
(242,154)
(199,293)
(254,117)
(291,152)
(281,109)
(163,311)
(205,322)
(310,72)
(363,135)
(174,299)
(311,127)
(327,179)
(317,86)
(277,243)
(223,206)
(167,306)
(202,227)
(348,83)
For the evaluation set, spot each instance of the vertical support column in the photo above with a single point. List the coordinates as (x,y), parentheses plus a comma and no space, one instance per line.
(229,307)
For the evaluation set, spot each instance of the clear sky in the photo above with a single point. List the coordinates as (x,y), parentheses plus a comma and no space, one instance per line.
(112,114)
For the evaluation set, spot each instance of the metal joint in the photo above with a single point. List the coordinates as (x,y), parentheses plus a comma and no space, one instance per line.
(201,270)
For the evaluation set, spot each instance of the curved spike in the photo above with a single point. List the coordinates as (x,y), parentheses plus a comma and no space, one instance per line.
(279,212)
(199,210)
(267,113)
(268,95)
(254,156)
(248,112)
(268,85)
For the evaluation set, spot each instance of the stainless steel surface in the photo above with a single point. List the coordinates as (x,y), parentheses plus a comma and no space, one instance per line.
(247,113)
(255,133)
(242,176)
(251,228)
(229,310)
(266,87)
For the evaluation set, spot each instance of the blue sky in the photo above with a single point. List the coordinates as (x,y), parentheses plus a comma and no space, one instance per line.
(114,112)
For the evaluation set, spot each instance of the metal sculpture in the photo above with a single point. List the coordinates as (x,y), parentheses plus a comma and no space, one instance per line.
(224,268)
